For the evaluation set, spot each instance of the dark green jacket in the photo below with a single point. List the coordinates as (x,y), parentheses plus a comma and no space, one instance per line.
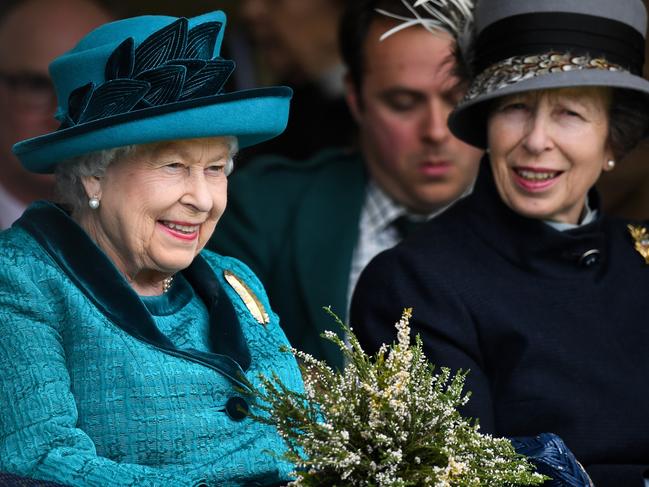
(296,224)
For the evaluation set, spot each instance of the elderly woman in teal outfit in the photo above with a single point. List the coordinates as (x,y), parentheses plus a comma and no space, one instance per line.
(128,354)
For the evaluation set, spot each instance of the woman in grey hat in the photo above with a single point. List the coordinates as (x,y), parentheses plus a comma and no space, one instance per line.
(526,283)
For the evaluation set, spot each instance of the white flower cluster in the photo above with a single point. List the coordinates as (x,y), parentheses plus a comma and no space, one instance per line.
(386,420)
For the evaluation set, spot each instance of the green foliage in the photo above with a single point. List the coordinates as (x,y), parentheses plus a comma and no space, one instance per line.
(386,420)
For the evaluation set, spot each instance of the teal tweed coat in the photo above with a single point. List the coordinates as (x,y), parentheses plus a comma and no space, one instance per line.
(92,393)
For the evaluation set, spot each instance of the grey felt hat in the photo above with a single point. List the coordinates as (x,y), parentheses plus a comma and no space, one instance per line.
(523,45)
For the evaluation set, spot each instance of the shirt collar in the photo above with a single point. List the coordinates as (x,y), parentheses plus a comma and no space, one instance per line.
(588,216)
(382,209)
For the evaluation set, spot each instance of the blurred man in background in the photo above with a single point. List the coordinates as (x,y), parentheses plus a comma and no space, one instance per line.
(32,34)
(308,228)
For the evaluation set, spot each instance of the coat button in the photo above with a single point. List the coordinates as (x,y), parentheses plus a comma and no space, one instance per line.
(237,408)
(589,258)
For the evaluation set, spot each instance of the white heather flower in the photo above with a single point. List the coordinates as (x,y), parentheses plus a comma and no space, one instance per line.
(329,334)
(395,456)
(384,421)
(456,468)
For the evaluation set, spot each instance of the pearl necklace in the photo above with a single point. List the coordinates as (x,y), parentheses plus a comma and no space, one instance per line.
(166,284)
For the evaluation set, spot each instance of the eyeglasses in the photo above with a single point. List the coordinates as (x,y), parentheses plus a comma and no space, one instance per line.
(30,92)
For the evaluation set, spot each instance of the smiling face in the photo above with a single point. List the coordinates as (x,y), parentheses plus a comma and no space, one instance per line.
(402,107)
(159,206)
(548,149)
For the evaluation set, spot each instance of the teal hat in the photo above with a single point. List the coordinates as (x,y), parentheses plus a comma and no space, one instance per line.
(148,79)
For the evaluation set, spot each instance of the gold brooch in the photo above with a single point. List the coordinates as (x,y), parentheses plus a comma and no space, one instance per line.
(641,239)
(251,301)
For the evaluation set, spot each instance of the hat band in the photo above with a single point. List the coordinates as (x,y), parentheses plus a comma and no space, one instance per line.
(520,68)
(581,35)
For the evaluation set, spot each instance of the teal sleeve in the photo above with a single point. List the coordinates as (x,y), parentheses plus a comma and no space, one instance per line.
(38,433)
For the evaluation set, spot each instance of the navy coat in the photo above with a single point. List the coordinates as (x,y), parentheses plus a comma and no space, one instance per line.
(553,326)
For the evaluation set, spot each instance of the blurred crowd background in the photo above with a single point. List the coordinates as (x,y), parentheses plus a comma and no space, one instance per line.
(289,42)
(294,43)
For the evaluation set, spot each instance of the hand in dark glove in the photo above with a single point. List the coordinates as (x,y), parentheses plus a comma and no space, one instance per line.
(551,457)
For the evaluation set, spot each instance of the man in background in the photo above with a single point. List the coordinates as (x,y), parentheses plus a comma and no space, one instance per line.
(308,228)
(32,34)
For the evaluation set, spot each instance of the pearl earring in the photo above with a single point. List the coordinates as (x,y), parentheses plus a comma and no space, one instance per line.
(610,164)
(93,202)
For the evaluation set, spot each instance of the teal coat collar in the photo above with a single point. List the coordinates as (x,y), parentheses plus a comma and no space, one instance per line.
(96,276)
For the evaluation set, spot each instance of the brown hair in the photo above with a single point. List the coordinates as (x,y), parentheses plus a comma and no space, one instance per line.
(628,121)
(354,28)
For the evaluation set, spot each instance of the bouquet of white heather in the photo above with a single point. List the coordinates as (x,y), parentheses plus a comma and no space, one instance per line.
(386,420)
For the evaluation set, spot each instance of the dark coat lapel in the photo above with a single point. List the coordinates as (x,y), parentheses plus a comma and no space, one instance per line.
(326,231)
(96,276)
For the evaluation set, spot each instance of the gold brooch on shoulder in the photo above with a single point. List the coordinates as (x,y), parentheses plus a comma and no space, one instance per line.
(248,297)
(641,239)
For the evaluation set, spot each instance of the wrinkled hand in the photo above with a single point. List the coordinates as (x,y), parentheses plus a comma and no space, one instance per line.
(551,457)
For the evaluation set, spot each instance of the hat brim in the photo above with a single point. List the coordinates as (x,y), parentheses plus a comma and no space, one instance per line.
(253,116)
(468,122)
